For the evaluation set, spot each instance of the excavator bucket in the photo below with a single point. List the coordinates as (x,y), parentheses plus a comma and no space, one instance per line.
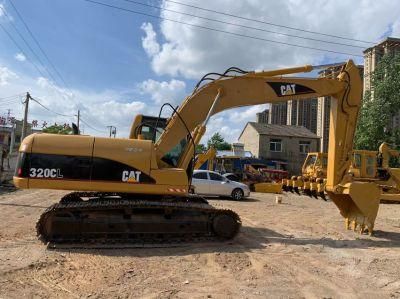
(358,204)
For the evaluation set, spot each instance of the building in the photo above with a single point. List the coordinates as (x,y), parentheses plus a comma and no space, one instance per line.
(279,142)
(263,117)
(294,113)
(324,105)
(302,113)
(278,114)
(323,109)
(372,56)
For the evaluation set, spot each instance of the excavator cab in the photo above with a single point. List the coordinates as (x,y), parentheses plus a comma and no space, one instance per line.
(147,127)
(364,164)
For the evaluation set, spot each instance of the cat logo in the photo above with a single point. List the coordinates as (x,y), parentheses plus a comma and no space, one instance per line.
(288,89)
(131,176)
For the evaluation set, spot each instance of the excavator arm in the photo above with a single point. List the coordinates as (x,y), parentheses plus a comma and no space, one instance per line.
(358,202)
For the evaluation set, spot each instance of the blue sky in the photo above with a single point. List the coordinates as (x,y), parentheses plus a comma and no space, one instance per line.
(92,47)
(117,64)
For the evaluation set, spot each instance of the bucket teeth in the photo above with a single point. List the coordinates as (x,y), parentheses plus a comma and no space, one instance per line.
(359,225)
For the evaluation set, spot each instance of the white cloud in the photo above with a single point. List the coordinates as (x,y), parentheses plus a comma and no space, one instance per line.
(149,42)
(162,92)
(246,114)
(98,108)
(396,28)
(5,75)
(183,51)
(20,57)
(190,52)
(2,9)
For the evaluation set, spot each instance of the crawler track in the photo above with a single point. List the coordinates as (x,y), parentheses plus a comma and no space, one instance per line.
(110,218)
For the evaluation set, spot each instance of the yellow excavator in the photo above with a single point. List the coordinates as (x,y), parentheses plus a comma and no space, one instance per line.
(374,166)
(136,190)
(312,180)
(207,157)
(365,165)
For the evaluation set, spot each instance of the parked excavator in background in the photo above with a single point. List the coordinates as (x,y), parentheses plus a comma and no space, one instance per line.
(368,165)
(206,161)
(136,190)
(313,178)
(375,165)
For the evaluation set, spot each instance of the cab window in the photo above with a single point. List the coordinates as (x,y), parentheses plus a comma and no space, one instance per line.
(357,161)
(173,156)
(370,167)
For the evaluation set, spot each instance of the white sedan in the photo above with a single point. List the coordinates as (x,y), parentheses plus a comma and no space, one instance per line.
(211,183)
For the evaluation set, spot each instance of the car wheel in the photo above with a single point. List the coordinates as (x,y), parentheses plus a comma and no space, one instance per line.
(237,194)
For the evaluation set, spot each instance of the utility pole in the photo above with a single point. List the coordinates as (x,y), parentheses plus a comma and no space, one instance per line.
(25,122)
(113,130)
(79,116)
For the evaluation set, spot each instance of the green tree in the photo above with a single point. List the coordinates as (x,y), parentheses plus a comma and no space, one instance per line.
(200,148)
(379,107)
(218,142)
(58,129)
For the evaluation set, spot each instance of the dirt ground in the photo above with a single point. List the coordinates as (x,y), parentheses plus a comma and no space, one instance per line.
(298,249)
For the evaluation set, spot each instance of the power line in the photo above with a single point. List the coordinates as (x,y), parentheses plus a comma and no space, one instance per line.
(267,23)
(14,96)
(27,44)
(222,31)
(91,126)
(38,44)
(243,26)
(8,103)
(36,100)
(60,114)
(22,51)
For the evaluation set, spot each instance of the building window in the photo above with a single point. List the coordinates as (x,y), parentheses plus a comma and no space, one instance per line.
(275,145)
(304,146)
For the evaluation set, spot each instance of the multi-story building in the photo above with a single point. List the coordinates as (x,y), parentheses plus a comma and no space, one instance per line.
(372,56)
(323,109)
(263,117)
(324,105)
(278,114)
(295,113)
(302,113)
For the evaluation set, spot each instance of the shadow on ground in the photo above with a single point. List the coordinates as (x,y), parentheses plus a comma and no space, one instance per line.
(246,199)
(250,238)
